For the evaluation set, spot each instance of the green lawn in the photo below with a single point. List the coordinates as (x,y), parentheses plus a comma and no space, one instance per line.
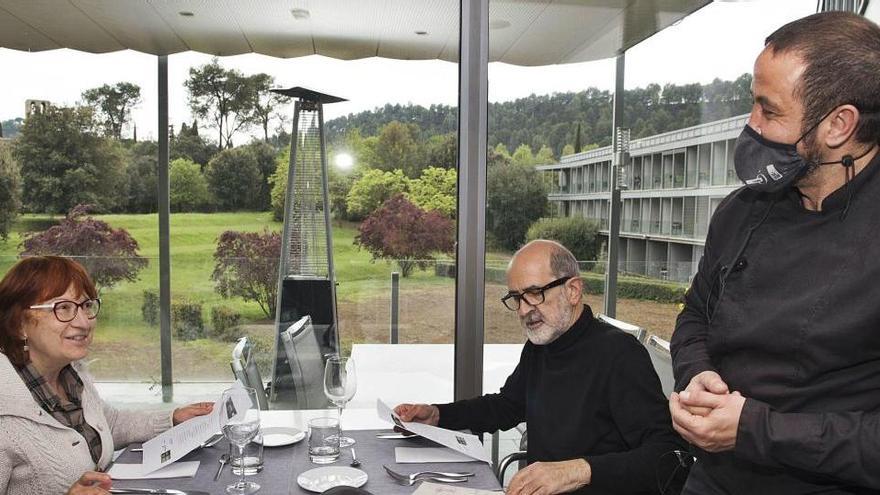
(128,348)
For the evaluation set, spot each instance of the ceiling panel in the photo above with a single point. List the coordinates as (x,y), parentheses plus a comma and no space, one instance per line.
(18,35)
(522,32)
(63,23)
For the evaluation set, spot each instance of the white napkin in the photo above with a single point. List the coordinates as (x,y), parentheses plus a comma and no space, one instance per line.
(136,471)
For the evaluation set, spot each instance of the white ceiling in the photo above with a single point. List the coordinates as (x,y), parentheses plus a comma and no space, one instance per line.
(523,32)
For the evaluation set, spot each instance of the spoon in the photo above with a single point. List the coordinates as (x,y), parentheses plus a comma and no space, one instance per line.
(354,460)
(223,460)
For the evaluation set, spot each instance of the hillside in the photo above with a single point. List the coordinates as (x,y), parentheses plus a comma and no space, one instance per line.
(552,120)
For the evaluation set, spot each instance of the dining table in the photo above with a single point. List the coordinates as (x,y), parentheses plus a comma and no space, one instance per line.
(282,465)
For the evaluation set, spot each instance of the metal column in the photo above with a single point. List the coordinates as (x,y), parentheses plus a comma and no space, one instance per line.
(614,204)
(473,92)
(164,234)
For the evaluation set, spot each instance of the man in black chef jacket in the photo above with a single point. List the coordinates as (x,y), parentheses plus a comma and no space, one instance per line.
(597,420)
(777,352)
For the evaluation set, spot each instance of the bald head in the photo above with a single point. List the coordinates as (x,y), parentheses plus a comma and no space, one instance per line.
(544,277)
(550,254)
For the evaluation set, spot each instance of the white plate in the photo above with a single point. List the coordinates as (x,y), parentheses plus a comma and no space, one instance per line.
(279,436)
(325,478)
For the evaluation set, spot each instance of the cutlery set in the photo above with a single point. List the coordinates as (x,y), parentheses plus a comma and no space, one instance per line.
(441,476)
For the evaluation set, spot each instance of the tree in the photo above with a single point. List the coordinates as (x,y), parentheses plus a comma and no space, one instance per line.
(64,162)
(266,103)
(374,188)
(441,151)
(278,183)
(396,149)
(234,180)
(401,231)
(263,156)
(523,155)
(142,175)
(113,105)
(193,147)
(577,139)
(435,190)
(545,156)
(224,96)
(109,255)
(568,150)
(516,197)
(10,191)
(189,189)
(246,266)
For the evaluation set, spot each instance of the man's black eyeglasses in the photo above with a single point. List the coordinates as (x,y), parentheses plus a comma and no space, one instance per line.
(533,297)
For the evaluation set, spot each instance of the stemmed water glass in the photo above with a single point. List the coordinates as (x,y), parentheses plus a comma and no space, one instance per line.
(241,428)
(340,385)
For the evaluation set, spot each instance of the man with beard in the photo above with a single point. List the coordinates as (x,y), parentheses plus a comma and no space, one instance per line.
(777,352)
(597,419)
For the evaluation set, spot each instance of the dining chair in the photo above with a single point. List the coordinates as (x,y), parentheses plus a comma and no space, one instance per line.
(245,370)
(638,332)
(306,363)
(661,358)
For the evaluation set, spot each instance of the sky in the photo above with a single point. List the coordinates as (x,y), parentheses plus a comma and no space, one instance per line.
(719,41)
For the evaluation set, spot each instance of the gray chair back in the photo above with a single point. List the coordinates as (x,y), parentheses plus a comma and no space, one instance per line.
(661,358)
(245,369)
(306,363)
(638,332)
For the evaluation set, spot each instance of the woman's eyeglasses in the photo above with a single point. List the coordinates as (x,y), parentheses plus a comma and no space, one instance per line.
(66,310)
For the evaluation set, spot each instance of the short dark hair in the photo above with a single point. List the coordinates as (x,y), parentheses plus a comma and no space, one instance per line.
(31,281)
(841,51)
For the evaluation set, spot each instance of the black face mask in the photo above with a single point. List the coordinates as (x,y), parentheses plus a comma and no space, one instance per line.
(768,166)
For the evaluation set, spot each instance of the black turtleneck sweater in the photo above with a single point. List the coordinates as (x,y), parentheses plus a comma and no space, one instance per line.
(592,393)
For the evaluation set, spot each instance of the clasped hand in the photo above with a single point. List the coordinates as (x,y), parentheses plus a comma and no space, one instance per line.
(706,413)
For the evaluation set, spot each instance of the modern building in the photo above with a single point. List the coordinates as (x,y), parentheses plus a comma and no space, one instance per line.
(673,183)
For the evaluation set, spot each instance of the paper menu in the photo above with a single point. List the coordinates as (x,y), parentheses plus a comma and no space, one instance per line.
(467,444)
(182,439)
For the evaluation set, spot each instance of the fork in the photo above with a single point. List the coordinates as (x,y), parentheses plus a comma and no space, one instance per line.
(411,479)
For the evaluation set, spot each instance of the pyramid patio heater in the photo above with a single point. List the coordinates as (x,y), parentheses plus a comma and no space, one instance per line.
(306,280)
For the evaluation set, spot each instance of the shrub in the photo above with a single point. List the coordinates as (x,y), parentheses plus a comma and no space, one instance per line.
(576,233)
(186,320)
(109,255)
(401,231)
(150,307)
(225,324)
(246,266)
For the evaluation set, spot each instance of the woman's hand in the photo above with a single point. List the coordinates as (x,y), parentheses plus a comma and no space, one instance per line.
(182,414)
(91,483)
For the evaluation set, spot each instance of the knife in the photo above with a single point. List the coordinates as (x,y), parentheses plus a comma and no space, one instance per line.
(156,491)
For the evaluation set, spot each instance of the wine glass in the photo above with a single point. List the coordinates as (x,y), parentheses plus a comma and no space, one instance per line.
(242,427)
(340,385)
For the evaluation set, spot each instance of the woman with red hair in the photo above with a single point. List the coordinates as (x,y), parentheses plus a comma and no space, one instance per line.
(56,434)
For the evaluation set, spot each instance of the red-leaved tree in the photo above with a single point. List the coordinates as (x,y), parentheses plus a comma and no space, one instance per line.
(246,266)
(110,255)
(401,231)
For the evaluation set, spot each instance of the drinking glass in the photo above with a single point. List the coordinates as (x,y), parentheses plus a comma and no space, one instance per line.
(340,385)
(241,428)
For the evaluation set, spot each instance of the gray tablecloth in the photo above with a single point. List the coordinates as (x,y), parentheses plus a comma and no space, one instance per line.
(283,464)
